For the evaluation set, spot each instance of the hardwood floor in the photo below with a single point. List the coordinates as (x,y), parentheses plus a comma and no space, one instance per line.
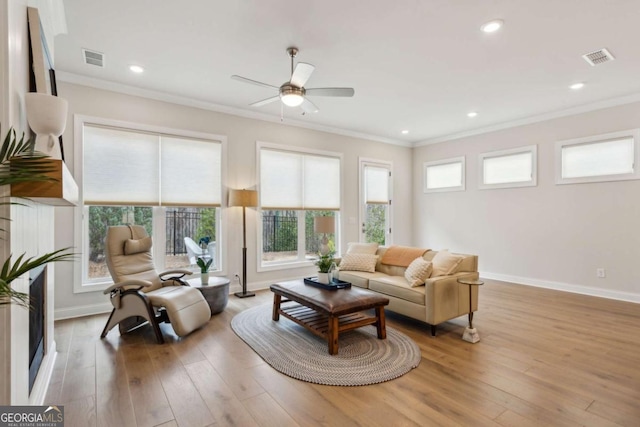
(545,358)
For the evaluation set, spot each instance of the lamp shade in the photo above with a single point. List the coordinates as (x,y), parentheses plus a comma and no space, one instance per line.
(324,224)
(244,198)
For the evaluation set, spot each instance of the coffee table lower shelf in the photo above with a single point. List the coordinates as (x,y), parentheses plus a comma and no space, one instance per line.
(329,327)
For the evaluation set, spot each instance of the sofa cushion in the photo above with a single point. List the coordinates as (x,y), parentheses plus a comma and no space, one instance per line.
(359,262)
(397,286)
(418,271)
(445,263)
(358,278)
(362,248)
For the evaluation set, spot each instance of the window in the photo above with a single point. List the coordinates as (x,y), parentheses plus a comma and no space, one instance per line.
(515,167)
(609,157)
(375,201)
(444,175)
(295,187)
(168,182)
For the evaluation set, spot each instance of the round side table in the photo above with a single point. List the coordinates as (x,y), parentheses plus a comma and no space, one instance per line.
(216,292)
(470,333)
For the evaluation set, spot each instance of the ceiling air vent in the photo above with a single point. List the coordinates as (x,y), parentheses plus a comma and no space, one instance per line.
(92,57)
(598,57)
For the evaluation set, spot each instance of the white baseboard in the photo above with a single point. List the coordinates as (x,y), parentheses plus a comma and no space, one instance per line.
(82,310)
(566,287)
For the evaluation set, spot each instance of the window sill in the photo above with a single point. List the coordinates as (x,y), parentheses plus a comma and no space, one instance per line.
(285,265)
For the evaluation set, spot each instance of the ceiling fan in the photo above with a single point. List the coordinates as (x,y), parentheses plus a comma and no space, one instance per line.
(293,93)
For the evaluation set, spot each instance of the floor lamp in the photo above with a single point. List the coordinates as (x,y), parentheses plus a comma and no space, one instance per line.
(245,199)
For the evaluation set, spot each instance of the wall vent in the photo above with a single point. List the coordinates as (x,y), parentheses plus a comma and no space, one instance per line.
(598,57)
(92,57)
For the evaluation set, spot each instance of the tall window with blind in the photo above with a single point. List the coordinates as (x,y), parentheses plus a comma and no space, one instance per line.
(169,183)
(375,202)
(295,187)
(609,157)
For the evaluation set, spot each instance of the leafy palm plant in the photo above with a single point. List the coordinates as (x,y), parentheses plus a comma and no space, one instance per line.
(19,163)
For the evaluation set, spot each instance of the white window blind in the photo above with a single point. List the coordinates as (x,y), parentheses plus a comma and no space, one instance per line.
(128,167)
(614,157)
(190,172)
(507,169)
(513,167)
(444,175)
(120,167)
(376,185)
(291,180)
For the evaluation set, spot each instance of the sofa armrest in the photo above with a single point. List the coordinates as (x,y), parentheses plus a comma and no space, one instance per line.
(447,299)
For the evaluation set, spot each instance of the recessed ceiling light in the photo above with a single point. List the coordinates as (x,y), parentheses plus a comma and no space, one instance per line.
(404,132)
(576,86)
(472,114)
(136,69)
(492,26)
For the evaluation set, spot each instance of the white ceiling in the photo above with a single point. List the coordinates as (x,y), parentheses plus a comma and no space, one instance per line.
(420,65)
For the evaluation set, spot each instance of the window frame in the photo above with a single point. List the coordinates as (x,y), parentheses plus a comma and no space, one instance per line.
(363,162)
(532,182)
(299,262)
(80,217)
(601,138)
(450,160)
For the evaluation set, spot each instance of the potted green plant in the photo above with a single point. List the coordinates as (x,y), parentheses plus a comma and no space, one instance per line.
(31,167)
(325,262)
(204,265)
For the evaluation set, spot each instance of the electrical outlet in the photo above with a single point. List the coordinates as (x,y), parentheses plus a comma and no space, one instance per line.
(237,276)
(600,272)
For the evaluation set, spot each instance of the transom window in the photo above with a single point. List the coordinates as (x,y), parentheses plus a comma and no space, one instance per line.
(608,157)
(514,167)
(444,175)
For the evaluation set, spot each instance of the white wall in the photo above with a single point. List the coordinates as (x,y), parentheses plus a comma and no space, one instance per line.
(549,235)
(242,134)
(30,230)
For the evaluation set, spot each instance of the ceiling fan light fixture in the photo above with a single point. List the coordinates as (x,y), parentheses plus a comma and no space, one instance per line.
(291,96)
(291,99)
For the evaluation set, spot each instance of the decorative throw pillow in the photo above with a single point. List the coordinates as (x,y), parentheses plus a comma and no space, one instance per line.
(445,263)
(132,246)
(358,262)
(362,248)
(418,271)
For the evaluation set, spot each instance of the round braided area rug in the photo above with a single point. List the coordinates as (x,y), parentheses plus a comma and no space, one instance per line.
(291,349)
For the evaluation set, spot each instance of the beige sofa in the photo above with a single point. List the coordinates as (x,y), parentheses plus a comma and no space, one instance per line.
(441,298)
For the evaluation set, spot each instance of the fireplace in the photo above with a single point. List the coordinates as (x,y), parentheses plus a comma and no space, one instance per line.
(37,288)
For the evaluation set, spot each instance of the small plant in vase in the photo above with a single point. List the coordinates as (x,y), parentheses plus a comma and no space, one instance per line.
(324,264)
(204,265)
(203,261)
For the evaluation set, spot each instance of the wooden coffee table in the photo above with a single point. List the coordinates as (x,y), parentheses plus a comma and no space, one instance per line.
(328,313)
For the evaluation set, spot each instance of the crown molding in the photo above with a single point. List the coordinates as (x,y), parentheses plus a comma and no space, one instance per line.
(210,106)
(598,105)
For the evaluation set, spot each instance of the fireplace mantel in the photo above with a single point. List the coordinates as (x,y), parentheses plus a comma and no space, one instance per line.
(61,192)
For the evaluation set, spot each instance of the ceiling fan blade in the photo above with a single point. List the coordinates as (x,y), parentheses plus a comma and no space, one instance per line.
(253,82)
(331,91)
(301,74)
(309,107)
(265,101)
